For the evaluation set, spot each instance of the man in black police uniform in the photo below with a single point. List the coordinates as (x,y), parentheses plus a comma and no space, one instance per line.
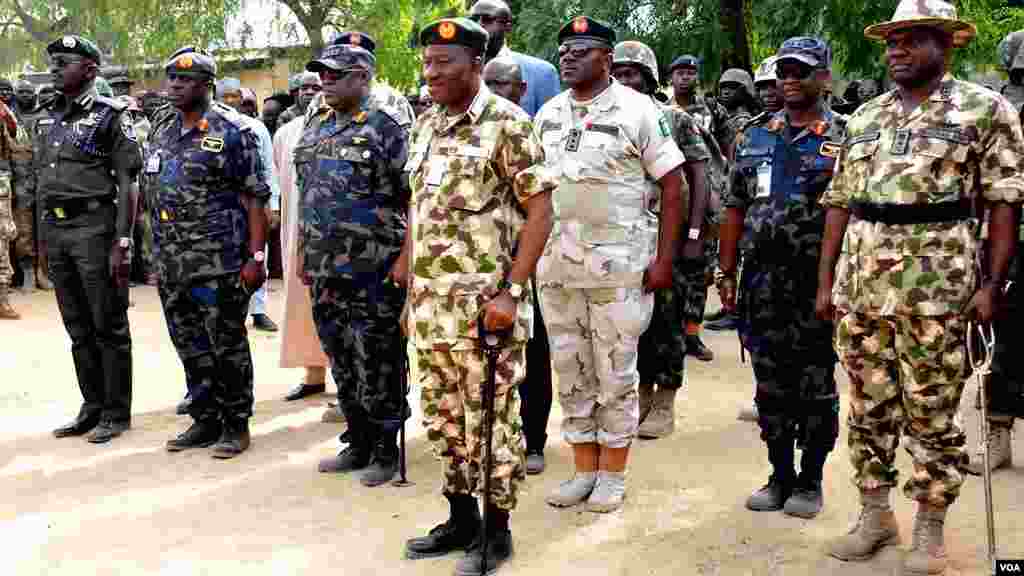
(209,189)
(86,160)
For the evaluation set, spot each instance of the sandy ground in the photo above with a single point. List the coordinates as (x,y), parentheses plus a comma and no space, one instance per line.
(69,507)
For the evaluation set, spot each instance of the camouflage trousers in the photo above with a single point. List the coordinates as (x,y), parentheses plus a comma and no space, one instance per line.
(25,244)
(594,335)
(358,330)
(906,378)
(451,382)
(144,231)
(697,275)
(206,322)
(8,231)
(661,351)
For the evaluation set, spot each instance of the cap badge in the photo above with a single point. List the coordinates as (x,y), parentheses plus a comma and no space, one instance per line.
(68,42)
(446,30)
(185,62)
(580,25)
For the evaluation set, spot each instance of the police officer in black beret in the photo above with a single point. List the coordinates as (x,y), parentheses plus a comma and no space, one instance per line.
(86,161)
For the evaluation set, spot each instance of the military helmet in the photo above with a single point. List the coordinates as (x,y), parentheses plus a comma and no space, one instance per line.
(766,71)
(1009,48)
(739,76)
(633,52)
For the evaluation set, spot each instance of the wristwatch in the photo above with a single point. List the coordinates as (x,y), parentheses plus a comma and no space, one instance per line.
(125,242)
(516,291)
(259,256)
(694,234)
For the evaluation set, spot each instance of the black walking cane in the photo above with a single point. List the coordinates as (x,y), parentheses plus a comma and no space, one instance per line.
(491,344)
(403,380)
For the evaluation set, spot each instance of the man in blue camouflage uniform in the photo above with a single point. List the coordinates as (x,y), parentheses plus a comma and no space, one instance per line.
(349,164)
(782,168)
(208,188)
(85,161)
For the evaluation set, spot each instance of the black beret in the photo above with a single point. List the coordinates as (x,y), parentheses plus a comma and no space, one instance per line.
(75,45)
(457,31)
(685,60)
(358,39)
(189,61)
(342,57)
(586,28)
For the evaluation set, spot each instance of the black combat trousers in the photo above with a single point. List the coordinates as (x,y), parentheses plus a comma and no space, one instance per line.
(535,390)
(94,310)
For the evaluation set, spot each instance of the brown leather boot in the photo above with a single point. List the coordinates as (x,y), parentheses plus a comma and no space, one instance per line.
(927,554)
(661,420)
(876,527)
(7,312)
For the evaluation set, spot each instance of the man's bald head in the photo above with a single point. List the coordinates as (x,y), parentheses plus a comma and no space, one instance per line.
(496,17)
(504,77)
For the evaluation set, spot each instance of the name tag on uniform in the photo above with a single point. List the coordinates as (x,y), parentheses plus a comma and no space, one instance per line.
(764,180)
(210,144)
(153,164)
(435,172)
(900,142)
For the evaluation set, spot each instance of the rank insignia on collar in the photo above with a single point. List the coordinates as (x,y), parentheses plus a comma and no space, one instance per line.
(829,149)
(358,140)
(361,117)
(210,144)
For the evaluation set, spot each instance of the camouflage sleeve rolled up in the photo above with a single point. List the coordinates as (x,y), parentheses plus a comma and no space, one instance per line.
(245,164)
(520,159)
(1002,163)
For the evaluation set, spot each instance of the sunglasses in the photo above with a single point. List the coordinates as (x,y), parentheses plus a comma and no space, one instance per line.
(335,75)
(578,49)
(794,71)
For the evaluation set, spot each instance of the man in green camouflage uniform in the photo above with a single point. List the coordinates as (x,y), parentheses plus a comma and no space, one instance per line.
(475,168)
(903,276)
(14,142)
(1011,57)
(30,259)
(663,347)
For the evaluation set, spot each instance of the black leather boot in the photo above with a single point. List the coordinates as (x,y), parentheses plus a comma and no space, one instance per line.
(499,546)
(458,533)
(233,440)
(200,434)
(384,463)
(773,495)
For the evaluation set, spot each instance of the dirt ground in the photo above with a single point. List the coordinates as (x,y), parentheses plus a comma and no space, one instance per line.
(129,507)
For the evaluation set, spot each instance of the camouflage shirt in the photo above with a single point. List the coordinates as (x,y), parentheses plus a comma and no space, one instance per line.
(200,182)
(962,142)
(712,117)
(12,146)
(699,145)
(469,175)
(381,96)
(353,194)
(779,187)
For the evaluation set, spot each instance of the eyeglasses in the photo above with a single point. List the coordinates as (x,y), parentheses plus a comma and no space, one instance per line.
(487,19)
(577,49)
(335,75)
(794,71)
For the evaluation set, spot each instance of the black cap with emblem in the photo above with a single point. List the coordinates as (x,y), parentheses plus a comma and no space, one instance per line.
(357,39)
(687,60)
(190,61)
(75,45)
(339,57)
(455,31)
(586,28)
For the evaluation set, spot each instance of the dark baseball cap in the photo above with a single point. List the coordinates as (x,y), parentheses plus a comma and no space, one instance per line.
(807,49)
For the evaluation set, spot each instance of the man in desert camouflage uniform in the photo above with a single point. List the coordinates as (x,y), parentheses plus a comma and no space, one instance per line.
(474,167)
(349,164)
(663,347)
(1006,384)
(14,142)
(914,161)
(613,151)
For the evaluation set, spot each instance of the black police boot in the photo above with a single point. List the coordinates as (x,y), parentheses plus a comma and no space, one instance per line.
(499,546)
(773,495)
(384,463)
(357,454)
(200,434)
(807,499)
(458,533)
(233,440)
(184,406)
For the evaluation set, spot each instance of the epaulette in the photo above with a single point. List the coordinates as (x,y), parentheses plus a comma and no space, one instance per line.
(391,113)
(231,115)
(117,105)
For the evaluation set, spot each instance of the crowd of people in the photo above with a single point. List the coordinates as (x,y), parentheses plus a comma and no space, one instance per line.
(576,215)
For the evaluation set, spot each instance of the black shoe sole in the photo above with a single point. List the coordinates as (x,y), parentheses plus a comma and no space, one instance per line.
(183,448)
(414,555)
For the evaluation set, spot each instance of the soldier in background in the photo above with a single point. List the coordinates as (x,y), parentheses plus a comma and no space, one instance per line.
(30,257)
(121,85)
(46,95)
(1011,57)
(766,84)
(736,93)
(296,110)
(209,189)
(13,142)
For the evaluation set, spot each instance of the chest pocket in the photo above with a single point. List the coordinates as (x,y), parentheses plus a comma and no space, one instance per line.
(603,152)
(199,166)
(815,174)
(351,165)
(748,161)
(944,156)
(471,181)
(860,159)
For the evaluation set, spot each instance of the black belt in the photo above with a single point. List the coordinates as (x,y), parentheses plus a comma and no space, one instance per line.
(71,208)
(896,214)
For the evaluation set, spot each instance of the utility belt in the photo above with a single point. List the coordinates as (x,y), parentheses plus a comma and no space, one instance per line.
(901,214)
(71,208)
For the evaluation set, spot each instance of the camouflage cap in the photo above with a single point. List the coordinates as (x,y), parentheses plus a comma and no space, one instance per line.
(766,71)
(738,76)
(687,60)
(633,52)
(587,28)
(357,39)
(339,57)
(190,61)
(75,45)
(455,31)
(807,49)
(929,13)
